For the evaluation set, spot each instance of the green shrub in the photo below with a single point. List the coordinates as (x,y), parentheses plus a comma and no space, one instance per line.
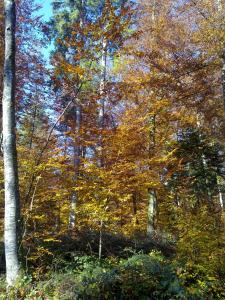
(139,277)
(199,284)
(142,276)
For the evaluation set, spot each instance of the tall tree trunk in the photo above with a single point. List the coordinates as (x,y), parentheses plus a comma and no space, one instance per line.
(76,149)
(101,124)
(100,240)
(207,183)
(152,201)
(77,154)
(102,100)
(9,149)
(151,217)
(219,5)
(223,77)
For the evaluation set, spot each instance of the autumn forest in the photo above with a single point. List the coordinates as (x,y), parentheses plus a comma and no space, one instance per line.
(112,166)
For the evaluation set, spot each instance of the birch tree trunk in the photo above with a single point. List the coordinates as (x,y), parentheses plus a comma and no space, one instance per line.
(9,149)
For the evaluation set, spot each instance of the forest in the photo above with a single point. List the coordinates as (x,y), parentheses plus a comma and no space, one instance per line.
(112,163)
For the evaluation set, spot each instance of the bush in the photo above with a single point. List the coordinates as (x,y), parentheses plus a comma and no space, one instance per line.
(141,276)
(138,277)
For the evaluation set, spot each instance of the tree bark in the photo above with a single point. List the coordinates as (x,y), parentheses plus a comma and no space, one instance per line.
(101,124)
(11,229)
(152,201)
(223,78)
(100,240)
(77,154)
(221,199)
(102,101)
(76,147)
(219,6)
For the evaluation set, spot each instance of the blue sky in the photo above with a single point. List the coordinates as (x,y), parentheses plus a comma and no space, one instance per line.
(46,10)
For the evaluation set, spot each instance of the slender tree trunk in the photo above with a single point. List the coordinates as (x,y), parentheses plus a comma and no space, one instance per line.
(223,78)
(77,154)
(102,101)
(100,240)
(152,201)
(207,184)
(219,5)
(153,11)
(152,143)
(221,198)
(9,149)
(76,148)
(101,124)
(73,206)
(221,195)
(33,126)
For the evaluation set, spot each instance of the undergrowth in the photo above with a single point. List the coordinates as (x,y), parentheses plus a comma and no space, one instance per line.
(140,276)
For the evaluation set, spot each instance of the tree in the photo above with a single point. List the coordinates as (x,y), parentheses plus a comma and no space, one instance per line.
(11,232)
(95,30)
(1,48)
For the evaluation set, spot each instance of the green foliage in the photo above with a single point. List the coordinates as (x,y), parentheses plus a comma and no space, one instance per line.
(201,166)
(201,240)
(199,284)
(141,276)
